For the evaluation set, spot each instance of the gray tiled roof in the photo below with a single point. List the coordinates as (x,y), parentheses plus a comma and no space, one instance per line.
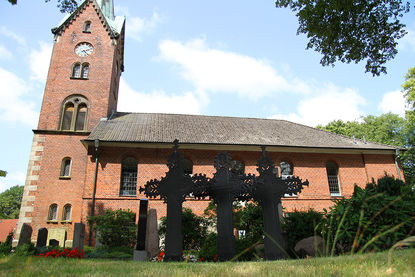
(198,129)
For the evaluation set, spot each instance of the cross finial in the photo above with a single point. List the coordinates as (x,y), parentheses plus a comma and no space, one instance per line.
(263,151)
(175,145)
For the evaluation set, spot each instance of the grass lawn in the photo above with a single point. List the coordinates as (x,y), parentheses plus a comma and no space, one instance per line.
(402,263)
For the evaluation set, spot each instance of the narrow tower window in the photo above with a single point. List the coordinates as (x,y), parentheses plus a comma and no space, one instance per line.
(76,70)
(67,212)
(85,70)
(129,177)
(53,212)
(333,178)
(80,118)
(67,116)
(87,27)
(66,167)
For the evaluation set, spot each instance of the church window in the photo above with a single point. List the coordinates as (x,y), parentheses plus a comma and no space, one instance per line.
(67,212)
(53,212)
(128,177)
(85,70)
(286,169)
(237,167)
(76,70)
(333,178)
(75,114)
(188,167)
(87,27)
(66,167)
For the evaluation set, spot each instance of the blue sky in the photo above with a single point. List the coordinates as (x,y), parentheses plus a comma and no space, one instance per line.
(231,58)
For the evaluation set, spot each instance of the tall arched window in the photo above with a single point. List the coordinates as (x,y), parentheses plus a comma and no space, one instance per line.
(286,169)
(333,178)
(67,212)
(66,167)
(85,70)
(53,212)
(128,177)
(87,27)
(76,70)
(74,113)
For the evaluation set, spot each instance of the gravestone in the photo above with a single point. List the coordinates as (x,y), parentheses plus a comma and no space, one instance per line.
(58,234)
(54,242)
(140,253)
(78,236)
(152,237)
(97,241)
(42,236)
(25,234)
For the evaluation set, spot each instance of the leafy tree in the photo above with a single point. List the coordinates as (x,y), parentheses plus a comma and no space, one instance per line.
(408,158)
(65,6)
(116,228)
(3,173)
(351,31)
(10,201)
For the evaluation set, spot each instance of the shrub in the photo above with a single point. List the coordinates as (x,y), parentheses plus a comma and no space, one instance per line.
(300,225)
(116,228)
(374,218)
(194,229)
(27,249)
(6,246)
(209,248)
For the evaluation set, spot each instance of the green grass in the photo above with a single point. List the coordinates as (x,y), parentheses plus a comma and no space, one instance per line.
(401,263)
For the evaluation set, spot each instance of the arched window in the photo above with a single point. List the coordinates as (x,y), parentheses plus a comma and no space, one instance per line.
(76,70)
(67,116)
(85,70)
(87,27)
(66,167)
(237,167)
(333,178)
(286,169)
(53,212)
(67,212)
(188,167)
(74,114)
(128,177)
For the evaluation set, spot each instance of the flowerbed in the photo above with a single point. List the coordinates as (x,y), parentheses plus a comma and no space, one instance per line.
(66,253)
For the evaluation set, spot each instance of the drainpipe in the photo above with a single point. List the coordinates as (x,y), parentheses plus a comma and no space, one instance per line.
(396,163)
(96,142)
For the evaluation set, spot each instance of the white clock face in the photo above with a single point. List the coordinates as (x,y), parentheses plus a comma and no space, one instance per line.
(84,49)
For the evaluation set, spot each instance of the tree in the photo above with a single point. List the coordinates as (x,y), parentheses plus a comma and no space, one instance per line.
(408,158)
(10,201)
(65,6)
(3,173)
(349,31)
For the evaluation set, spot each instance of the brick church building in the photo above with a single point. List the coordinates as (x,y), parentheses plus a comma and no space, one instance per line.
(82,139)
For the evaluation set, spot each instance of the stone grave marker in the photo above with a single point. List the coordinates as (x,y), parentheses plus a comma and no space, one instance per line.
(42,236)
(152,237)
(53,242)
(25,234)
(78,236)
(140,254)
(58,234)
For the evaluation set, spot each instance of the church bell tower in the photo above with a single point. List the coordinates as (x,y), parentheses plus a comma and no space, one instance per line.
(81,88)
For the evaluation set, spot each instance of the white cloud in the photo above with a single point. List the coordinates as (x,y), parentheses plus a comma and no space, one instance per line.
(393,102)
(4,53)
(329,103)
(6,32)
(39,61)
(12,179)
(223,71)
(14,107)
(157,101)
(137,26)
(408,41)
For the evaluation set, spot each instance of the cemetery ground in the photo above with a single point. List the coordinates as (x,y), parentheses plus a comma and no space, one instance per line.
(387,263)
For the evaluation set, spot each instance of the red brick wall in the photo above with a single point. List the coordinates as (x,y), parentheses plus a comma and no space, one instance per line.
(102,76)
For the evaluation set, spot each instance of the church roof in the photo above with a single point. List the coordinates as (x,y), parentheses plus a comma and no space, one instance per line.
(219,130)
(104,8)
